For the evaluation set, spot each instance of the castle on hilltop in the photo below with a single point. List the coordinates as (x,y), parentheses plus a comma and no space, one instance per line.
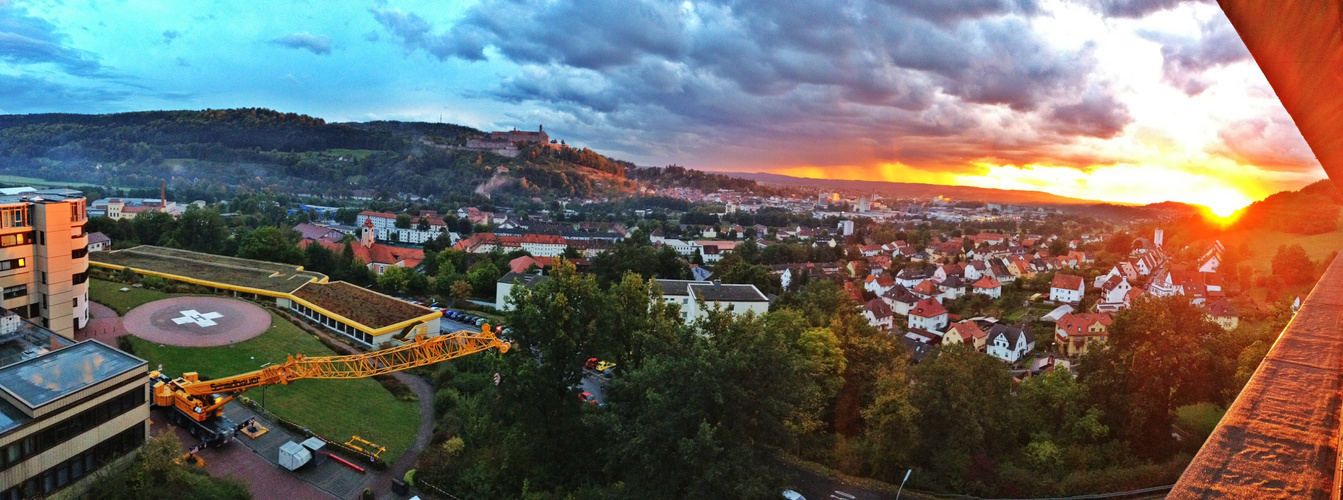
(508,143)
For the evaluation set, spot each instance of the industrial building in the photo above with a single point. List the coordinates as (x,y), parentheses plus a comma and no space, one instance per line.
(44,264)
(66,410)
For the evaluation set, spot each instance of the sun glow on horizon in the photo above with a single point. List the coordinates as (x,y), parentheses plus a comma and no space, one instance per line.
(1224,189)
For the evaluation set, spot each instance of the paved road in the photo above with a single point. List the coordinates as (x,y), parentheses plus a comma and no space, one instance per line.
(815,486)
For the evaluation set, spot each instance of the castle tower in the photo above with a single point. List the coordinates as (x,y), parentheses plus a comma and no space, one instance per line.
(367,233)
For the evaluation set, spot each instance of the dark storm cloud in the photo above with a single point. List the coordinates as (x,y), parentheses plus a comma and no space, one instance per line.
(32,40)
(317,44)
(1138,8)
(1098,114)
(1185,59)
(901,80)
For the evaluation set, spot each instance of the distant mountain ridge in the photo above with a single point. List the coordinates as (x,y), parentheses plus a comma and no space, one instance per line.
(917,190)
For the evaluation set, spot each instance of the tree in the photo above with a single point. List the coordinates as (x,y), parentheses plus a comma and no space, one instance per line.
(459,290)
(963,399)
(1160,354)
(1293,265)
(483,277)
(269,244)
(892,425)
(154,228)
(318,258)
(1058,247)
(395,279)
(201,230)
(402,221)
(155,474)
(422,224)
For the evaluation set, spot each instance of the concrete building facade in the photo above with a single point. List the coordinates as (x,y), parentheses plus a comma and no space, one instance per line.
(44,263)
(56,431)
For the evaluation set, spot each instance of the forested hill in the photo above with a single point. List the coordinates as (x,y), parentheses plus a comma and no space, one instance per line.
(265,149)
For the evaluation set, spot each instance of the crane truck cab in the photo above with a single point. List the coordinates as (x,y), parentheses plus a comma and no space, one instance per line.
(192,412)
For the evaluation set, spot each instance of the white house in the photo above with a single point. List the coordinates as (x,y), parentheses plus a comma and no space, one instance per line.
(697,298)
(976,269)
(879,314)
(878,284)
(384,226)
(1066,288)
(912,276)
(1010,342)
(928,314)
(988,286)
(900,299)
(504,287)
(99,242)
(1114,293)
(952,288)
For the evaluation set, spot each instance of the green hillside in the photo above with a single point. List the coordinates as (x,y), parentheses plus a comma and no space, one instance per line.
(261,149)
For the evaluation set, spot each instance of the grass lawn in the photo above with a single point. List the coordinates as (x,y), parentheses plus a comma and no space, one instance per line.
(40,183)
(109,293)
(1264,245)
(335,409)
(1199,419)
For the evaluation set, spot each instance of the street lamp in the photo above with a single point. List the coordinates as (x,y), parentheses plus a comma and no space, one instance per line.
(902,484)
(263,393)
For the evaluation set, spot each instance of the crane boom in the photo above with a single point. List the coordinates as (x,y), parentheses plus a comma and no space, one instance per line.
(201,400)
(421,352)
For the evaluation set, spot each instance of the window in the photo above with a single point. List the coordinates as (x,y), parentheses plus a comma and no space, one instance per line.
(15,291)
(43,274)
(41,238)
(79,253)
(14,217)
(16,239)
(6,265)
(61,432)
(80,278)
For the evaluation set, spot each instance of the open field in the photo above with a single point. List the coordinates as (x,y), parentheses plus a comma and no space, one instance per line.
(109,293)
(40,183)
(334,409)
(1264,245)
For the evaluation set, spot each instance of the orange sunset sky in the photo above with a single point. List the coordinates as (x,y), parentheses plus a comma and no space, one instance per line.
(1133,101)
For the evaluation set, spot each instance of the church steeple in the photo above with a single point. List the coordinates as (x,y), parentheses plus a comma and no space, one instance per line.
(366,236)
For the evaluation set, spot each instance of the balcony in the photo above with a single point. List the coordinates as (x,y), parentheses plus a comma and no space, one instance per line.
(1280,438)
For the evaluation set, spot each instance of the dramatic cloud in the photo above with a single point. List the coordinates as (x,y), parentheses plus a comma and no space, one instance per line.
(32,40)
(875,79)
(317,44)
(1271,142)
(1138,8)
(1186,59)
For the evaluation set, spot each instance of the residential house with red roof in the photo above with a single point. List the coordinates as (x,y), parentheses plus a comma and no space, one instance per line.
(1074,333)
(878,284)
(1220,311)
(987,286)
(966,332)
(928,314)
(1066,288)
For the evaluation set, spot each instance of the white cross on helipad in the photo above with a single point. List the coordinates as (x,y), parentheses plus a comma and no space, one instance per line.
(201,319)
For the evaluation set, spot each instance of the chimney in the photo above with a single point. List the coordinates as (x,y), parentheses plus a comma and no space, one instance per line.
(163,195)
(1157,239)
(717,284)
(541,128)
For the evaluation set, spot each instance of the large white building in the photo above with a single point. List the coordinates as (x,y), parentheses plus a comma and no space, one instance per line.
(384,226)
(44,263)
(696,298)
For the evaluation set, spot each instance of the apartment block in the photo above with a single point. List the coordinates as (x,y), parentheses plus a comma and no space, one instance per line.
(44,263)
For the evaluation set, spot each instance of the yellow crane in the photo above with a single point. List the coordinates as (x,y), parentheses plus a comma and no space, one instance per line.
(198,404)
